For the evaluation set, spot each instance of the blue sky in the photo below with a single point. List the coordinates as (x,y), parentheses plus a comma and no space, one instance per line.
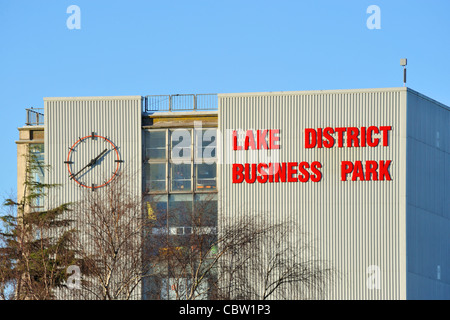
(162,47)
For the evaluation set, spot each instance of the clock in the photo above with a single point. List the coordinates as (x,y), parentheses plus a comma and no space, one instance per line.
(93,161)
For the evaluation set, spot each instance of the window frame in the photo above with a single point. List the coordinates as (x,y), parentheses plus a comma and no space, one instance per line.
(39,202)
(193,160)
(147,133)
(149,162)
(169,162)
(196,162)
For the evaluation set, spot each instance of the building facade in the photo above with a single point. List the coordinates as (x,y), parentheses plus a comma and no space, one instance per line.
(365,173)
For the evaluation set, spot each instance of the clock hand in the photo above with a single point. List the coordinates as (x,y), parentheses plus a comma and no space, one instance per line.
(90,164)
(94,161)
(74,175)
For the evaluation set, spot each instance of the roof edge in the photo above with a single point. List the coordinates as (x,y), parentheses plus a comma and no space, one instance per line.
(423,96)
(94,98)
(269,93)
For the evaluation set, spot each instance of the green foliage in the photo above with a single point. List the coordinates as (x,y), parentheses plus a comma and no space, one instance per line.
(36,244)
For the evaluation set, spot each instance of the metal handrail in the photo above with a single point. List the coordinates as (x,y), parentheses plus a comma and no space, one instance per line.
(180,102)
(150,104)
(35,117)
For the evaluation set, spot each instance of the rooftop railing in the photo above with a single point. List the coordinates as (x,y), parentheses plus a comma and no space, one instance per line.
(35,117)
(180,102)
(150,104)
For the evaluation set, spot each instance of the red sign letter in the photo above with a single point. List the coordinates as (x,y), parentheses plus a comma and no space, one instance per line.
(346,167)
(384,170)
(238,175)
(310,143)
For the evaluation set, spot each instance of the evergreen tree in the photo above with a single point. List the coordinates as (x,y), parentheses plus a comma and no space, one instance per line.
(35,242)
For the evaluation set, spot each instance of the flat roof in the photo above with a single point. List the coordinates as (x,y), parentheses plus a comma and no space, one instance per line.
(92,98)
(315,91)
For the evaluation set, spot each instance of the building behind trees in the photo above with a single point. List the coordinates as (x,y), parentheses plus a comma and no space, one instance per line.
(362,174)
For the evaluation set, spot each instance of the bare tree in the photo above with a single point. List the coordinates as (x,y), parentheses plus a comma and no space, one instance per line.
(186,263)
(272,261)
(125,247)
(111,227)
(247,258)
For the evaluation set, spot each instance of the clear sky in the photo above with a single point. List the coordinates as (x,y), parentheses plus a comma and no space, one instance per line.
(211,46)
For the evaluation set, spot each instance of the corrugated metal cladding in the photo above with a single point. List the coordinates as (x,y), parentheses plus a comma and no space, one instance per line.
(69,119)
(353,225)
(428,201)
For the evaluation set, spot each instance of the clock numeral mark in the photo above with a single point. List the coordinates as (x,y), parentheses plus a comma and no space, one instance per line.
(93,163)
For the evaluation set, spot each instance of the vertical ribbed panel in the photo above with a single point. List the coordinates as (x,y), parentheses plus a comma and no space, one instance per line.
(428,201)
(353,224)
(69,119)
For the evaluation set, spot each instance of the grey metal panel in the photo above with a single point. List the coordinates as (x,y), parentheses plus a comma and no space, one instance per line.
(68,119)
(428,189)
(352,224)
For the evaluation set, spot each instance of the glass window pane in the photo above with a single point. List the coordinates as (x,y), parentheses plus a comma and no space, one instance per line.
(181,145)
(205,210)
(38,151)
(157,171)
(155,208)
(155,154)
(181,177)
(205,144)
(180,212)
(206,176)
(156,139)
(155,145)
(37,155)
(155,177)
(38,172)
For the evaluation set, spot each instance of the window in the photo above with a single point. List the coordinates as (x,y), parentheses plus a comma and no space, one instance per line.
(181,177)
(155,174)
(38,172)
(205,161)
(179,288)
(183,169)
(155,145)
(156,210)
(180,172)
(180,181)
(181,143)
(155,155)
(205,210)
(206,176)
(180,210)
(205,145)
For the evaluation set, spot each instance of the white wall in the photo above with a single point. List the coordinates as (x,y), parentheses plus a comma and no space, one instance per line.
(353,224)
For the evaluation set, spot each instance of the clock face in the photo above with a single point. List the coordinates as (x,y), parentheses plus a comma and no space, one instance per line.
(93,161)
